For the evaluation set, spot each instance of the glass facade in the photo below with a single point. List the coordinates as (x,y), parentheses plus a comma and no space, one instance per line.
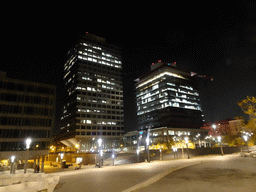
(93,106)
(168,97)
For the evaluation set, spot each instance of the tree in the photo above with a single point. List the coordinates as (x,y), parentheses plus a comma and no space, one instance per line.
(162,143)
(248,105)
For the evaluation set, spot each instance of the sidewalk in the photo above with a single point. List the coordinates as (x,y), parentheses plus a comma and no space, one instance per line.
(124,177)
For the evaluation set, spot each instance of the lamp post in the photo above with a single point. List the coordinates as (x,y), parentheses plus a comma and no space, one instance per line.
(113,154)
(61,157)
(186,140)
(147,141)
(246,141)
(138,154)
(12,168)
(219,140)
(100,151)
(28,142)
(175,152)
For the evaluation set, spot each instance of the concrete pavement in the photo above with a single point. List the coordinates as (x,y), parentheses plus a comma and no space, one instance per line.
(124,177)
(234,174)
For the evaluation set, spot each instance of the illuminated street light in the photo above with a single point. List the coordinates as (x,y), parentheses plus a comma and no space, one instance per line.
(101,152)
(61,155)
(219,140)
(138,153)
(246,140)
(147,142)
(12,167)
(214,126)
(245,137)
(28,142)
(99,142)
(186,140)
(175,151)
(12,158)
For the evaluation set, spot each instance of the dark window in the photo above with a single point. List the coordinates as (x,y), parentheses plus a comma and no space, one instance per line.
(46,101)
(20,87)
(38,100)
(46,111)
(10,86)
(88,133)
(29,110)
(29,88)
(10,97)
(27,99)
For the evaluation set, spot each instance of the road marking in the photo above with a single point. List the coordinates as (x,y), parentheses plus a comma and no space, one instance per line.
(157,177)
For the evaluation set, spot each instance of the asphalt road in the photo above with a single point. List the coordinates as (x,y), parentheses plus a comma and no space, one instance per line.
(235,174)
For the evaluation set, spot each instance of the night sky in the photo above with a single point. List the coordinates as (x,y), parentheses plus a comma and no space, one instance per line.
(210,39)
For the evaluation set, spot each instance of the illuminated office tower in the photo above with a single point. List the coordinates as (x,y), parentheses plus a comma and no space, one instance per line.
(93,106)
(168,97)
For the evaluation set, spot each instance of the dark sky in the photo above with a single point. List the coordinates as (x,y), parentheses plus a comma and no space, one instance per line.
(213,39)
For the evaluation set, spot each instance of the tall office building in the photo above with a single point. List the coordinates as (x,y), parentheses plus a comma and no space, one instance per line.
(168,97)
(27,110)
(93,106)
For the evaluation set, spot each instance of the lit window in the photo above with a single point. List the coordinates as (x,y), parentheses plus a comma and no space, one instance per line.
(170,132)
(88,121)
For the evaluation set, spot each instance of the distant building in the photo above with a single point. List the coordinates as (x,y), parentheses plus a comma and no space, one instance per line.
(168,97)
(93,103)
(27,110)
(134,140)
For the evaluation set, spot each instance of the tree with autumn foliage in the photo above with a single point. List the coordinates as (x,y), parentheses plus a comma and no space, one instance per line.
(248,106)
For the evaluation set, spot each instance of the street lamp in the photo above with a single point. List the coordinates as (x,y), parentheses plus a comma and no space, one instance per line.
(186,140)
(99,142)
(12,168)
(219,140)
(101,152)
(138,153)
(246,139)
(61,158)
(28,142)
(175,151)
(147,141)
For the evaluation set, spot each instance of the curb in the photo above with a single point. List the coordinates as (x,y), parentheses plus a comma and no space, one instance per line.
(157,177)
